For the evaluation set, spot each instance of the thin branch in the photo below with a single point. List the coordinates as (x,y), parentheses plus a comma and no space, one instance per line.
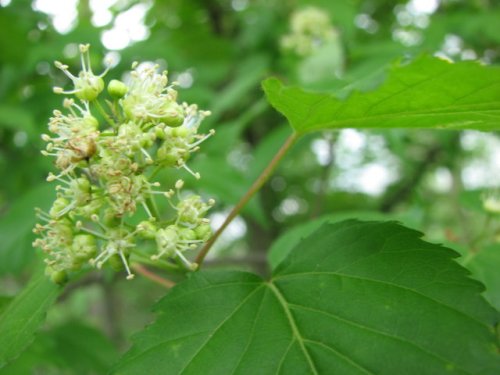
(89,279)
(258,260)
(153,208)
(140,269)
(259,182)
(216,16)
(400,192)
(111,312)
(324,178)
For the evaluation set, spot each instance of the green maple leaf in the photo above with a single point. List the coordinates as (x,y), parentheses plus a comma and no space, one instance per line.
(352,298)
(427,93)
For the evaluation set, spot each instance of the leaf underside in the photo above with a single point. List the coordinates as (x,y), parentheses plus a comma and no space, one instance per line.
(427,93)
(352,298)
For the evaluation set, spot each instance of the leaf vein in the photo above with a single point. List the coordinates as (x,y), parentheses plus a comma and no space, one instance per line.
(374,330)
(282,360)
(295,331)
(395,115)
(402,287)
(250,336)
(210,337)
(406,88)
(342,356)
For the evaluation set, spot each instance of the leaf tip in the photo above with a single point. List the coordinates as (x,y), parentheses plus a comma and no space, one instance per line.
(271,84)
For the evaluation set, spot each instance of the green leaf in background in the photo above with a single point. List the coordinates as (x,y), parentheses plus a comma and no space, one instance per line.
(326,62)
(251,73)
(84,348)
(227,182)
(484,266)
(479,29)
(427,93)
(291,238)
(15,228)
(23,316)
(75,347)
(4,302)
(16,118)
(352,298)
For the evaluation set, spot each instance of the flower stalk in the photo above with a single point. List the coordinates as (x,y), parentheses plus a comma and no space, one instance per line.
(256,186)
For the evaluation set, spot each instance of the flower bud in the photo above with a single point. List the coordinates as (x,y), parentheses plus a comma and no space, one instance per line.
(59,277)
(117,89)
(181,132)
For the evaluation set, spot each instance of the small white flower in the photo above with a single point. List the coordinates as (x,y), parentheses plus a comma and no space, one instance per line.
(87,85)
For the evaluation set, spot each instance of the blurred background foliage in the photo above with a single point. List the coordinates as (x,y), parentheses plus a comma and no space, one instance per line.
(219,51)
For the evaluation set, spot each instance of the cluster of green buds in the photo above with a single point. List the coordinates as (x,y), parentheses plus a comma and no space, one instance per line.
(311,28)
(107,155)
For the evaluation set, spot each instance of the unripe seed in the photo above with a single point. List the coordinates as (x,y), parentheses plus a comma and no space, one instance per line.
(89,86)
(181,132)
(173,114)
(117,89)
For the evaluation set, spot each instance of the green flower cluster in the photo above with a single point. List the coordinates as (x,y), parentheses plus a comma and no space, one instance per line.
(106,160)
(311,28)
